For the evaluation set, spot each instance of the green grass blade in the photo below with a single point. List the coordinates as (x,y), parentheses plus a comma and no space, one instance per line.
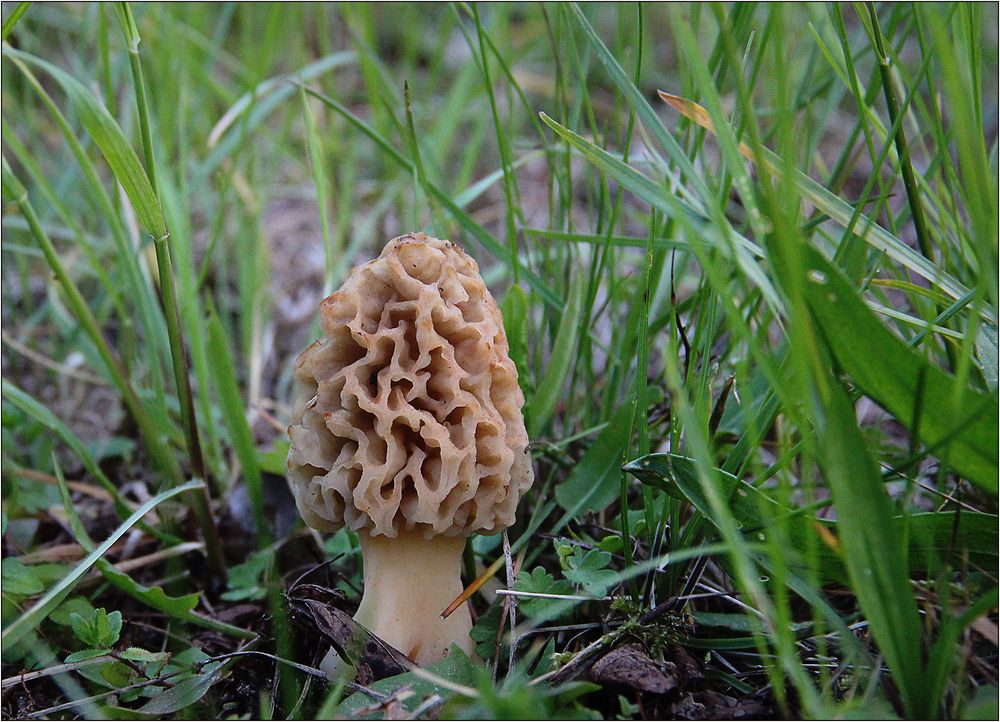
(964,426)
(108,137)
(934,538)
(152,435)
(745,251)
(549,388)
(40,609)
(42,415)
(840,211)
(593,482)
(12,19)
(234,413)
(316,163)
(227,135)
(873,548)
(475,230)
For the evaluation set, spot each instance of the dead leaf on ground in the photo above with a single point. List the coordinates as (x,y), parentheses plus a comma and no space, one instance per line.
(629,666)
(373,658)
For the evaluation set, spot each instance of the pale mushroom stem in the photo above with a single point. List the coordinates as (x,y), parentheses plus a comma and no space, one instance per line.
(409,581)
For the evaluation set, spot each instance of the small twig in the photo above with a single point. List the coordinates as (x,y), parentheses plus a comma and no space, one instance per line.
(425,706)
(446,683)
(76,703)
(510,602)
(544,595)
(80,486)
(43,360)
(49,671)
(304,668)
(580,660)
(129,565)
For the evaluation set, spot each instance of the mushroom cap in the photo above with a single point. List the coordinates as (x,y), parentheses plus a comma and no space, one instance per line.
(408,411)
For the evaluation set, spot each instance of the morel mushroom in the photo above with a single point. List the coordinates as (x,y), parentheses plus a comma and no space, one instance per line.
(407,428)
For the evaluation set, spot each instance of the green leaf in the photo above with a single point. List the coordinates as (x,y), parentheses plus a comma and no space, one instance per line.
(484,631)
(456,667)
(62,613)
(31,618)
(595,480)
(986,352)
(155,597)
(540,581)
(244,579)
(18,579)
(108,137)
(588,568)
(958,425)
(184,693)
(85,654)
(515,320)
(118,674)
(138,654)
(273,461)
(983,705)
(99,629)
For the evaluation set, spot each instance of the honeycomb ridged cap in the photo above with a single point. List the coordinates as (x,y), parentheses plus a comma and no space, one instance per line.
(408,410)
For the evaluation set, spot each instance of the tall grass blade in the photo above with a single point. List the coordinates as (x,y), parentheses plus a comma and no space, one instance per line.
(873,549)
(549,388)
(40,609)
(964,426)
(234,412)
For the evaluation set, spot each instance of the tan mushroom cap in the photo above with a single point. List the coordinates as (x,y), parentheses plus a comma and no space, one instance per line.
(408,414)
